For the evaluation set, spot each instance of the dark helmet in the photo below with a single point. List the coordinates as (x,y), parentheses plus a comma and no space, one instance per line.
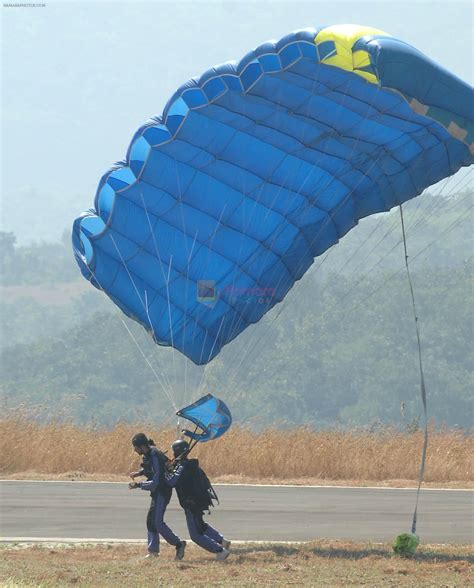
(140,439)
(180,447)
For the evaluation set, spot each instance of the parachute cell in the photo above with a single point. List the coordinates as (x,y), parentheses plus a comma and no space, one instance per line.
(257,167)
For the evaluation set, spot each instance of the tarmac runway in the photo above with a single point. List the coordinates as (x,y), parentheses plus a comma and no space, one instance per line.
(102,510)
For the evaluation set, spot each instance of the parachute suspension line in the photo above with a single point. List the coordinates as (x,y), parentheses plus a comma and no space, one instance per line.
(186,360)
(415,226)
(208,244)
(164,375)
(212,350)
(357,249)
(282,306)
(189,254)
(362,261)
(167,392)
(385,236)
(457,221)
(453,225)
(390,230)
(179,428)
(368,272)
(211,241)
(169,316)
(166,280)
(163,274)
(460,218)
(422,377)
(423,220)
(428,211)
(128,272)
(425,211)
(138,294)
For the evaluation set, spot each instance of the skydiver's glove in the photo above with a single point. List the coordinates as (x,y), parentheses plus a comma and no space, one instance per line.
(133,485)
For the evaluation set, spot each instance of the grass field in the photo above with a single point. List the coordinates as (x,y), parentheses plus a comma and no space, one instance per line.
(331,563)
(57,450)
(65,451)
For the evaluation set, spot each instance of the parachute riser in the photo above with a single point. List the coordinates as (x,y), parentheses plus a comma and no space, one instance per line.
(192,445)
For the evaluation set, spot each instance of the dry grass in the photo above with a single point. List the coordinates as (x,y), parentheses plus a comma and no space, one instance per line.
(301,455)
(333,563)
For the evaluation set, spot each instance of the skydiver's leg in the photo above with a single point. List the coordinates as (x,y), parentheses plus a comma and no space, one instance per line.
(153,537)
(213,533)
(160,525)
(196,526)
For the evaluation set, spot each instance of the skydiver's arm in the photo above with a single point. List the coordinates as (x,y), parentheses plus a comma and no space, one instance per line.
(137,474)
(173,477)
(152,485)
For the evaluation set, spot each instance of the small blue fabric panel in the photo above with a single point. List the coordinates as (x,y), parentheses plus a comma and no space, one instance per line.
(210,414)
(256,168)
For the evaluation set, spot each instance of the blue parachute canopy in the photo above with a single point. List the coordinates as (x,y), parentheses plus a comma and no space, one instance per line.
(209,414)
(259,166)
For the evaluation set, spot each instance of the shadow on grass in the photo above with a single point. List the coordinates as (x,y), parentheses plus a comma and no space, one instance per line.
(435,557)
(351,554)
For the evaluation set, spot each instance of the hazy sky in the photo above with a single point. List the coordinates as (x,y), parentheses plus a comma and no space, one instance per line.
(80,77)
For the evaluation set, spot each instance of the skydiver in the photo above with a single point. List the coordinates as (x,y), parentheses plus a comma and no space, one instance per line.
(153,467)
(181,478)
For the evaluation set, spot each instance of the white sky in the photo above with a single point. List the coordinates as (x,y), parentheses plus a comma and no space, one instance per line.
(80,77)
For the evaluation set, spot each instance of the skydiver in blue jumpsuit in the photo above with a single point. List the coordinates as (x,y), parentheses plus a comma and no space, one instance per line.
(153,467)
(181,479)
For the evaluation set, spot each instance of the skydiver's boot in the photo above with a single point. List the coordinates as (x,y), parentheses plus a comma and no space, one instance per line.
(180,551)
(223,555)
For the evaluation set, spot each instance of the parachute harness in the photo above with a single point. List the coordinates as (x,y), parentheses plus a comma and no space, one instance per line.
(398,544)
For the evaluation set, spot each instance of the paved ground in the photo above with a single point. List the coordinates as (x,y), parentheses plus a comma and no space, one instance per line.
(108,510)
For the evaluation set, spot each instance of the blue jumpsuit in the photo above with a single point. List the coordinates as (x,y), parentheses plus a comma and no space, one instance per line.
(160,497)
(200,532)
